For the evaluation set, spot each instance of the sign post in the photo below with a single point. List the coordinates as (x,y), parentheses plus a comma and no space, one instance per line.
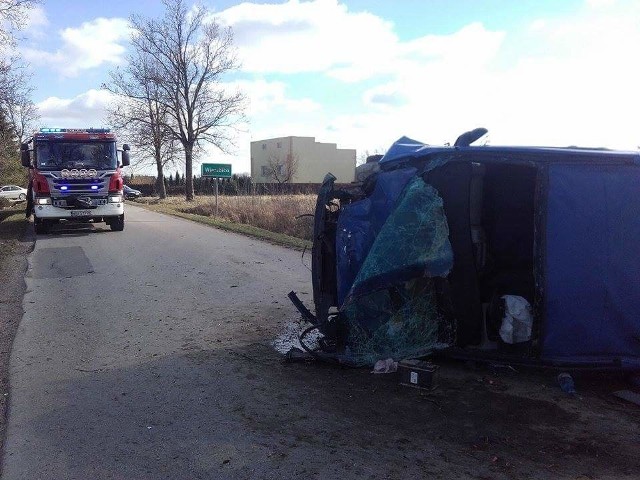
(216,170)
(216,190)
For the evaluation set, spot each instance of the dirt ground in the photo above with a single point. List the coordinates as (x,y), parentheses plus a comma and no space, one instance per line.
(480,422)
(321,421)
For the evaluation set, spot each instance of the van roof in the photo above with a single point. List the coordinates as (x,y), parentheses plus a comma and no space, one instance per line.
(404,151)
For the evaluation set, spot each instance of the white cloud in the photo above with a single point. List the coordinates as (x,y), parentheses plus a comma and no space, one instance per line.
(600,3)
(558,81)
(562,81)
(384,96)
(85,110)
(473,46)
(265,96)
(306,36)
(100,41)
(36,17)
(324,36)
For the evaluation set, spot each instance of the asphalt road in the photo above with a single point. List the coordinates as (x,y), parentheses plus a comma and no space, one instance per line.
(146,354)
(107,373)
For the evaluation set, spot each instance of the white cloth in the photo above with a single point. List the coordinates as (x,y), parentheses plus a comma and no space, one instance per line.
(517,321)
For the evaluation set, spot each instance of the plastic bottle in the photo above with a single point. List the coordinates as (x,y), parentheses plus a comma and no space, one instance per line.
(566,383)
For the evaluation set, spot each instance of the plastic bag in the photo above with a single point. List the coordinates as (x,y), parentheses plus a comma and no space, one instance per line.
(517,320)
(385,366)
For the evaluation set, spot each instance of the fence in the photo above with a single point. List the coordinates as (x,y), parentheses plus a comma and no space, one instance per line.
(231,187)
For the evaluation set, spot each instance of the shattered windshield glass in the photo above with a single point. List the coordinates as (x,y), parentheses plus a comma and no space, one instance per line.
(391,310)
(61,155)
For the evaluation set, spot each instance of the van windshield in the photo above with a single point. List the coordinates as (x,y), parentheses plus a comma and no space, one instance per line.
(61,155)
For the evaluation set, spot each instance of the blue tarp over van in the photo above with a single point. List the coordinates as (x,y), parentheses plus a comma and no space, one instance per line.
(592,263)
(558,226)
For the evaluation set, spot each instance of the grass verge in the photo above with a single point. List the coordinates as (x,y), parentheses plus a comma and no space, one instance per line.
(13,225)
(241,228)
(15,245)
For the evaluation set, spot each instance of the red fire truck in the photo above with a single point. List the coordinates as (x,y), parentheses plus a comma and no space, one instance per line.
(74,175)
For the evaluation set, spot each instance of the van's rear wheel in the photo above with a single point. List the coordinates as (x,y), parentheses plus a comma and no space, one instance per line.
(117,223)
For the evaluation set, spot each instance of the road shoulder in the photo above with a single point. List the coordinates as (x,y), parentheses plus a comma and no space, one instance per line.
(16,242)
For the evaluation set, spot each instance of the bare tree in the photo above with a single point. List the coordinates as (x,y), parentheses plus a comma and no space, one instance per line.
(15,100)
(153,145)
(18,114)
(282,170)
(12,17)
(364,157)
(23,115)
(141,116)
(10,169)
(190,56)
(17,108)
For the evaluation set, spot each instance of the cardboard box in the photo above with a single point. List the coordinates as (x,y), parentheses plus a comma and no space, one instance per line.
(418,374)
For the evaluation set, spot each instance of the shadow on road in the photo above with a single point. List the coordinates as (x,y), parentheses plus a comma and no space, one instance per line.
(75,229)
(240,413)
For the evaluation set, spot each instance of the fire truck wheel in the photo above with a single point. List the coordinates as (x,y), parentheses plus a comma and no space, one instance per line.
(41,226)
(117,223)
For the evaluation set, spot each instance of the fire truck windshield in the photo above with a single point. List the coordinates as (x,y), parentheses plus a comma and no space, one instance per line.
(52,155)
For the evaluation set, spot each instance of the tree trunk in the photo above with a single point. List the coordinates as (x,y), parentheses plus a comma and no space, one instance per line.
(160,187)
(188,166)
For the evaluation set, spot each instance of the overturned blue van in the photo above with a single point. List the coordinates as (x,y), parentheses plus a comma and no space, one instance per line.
(427,253)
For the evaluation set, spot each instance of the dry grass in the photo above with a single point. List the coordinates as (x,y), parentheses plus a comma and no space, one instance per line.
(13,225)
(273,213)
(15,245)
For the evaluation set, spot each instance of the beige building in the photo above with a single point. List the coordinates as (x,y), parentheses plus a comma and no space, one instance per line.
(300,160)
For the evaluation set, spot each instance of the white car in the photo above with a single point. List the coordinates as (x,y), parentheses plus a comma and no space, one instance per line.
(13,193)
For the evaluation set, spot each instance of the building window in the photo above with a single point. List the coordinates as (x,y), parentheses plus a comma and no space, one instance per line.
(279,144)
(265,171)
(264,146)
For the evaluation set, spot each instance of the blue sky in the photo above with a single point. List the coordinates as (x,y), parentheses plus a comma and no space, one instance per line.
(363,73)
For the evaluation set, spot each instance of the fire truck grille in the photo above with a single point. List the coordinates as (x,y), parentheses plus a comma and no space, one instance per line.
(70,203)
(79,185)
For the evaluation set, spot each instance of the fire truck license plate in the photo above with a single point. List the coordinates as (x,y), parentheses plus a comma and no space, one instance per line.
(80,213)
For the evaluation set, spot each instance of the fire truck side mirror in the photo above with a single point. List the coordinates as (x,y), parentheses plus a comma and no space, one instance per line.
(24,155)
(125,156)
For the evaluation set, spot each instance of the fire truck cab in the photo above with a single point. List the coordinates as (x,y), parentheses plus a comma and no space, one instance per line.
(74,176)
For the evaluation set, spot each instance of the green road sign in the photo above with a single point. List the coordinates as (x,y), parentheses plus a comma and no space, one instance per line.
(217,170)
